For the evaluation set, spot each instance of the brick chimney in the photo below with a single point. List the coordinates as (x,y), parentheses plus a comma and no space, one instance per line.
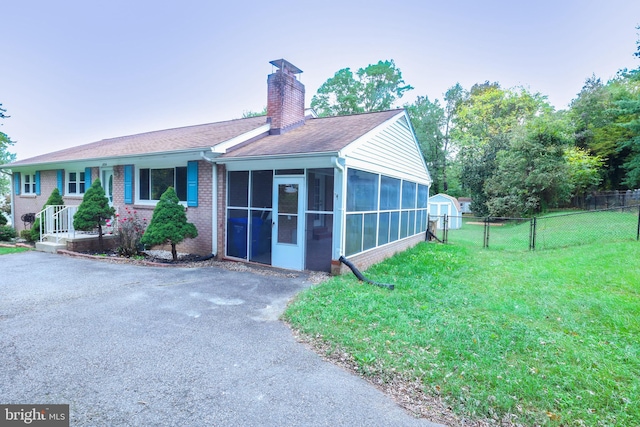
(285,98)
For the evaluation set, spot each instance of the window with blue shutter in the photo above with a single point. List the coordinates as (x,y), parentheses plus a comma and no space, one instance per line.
(16,183)
(37,183)
(128,184)
(192,183)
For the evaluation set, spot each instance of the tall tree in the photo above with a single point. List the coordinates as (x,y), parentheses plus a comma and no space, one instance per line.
(373,88)
(5,155)
(530,175)
(629,119)
(428,119)
(596,125)
(484,123)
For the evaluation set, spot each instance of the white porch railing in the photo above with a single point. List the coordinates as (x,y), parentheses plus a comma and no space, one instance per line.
(57,221)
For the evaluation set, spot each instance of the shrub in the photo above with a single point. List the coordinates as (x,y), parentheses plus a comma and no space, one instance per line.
(130,231)
(26,235)
(7,233)
(169,223)
(94,211)
(3,219)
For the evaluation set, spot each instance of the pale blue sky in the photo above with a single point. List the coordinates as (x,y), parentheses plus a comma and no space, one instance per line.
(75,72)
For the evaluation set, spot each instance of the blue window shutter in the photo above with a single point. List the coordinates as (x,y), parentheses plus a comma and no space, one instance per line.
(16,183)
(128,184)
(192,183)
(37,183)
(60,184)
(87,178)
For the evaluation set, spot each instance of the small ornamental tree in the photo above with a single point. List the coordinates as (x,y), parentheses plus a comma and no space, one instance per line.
(55,199)
(169,223)
(94,211)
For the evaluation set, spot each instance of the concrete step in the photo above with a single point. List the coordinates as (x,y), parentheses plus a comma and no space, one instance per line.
(51,247)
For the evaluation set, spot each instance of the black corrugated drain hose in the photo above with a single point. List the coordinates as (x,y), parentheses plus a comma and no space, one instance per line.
(360,276)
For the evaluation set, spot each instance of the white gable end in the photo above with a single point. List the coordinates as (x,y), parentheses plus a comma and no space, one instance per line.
(390,149)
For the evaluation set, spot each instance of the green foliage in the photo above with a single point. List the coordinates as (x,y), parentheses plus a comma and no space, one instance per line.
(169,223)
(26,235)
(530,175)
(485,124)
(7,233)
(595,119)
(247,114)
(5,155)
(584,170)
(55,199)
(427,119)
(374,88)
(94,211)
(629,119)
(3,219)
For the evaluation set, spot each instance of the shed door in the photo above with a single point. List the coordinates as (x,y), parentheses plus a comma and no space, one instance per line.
(288,223)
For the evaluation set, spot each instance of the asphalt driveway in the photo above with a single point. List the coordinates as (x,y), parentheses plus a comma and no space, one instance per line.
(127,345)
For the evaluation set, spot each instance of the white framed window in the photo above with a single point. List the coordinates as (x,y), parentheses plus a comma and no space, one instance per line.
(75,182)
(155,181)
(29,184)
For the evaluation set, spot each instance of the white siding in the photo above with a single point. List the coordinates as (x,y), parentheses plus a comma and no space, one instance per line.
(393,151)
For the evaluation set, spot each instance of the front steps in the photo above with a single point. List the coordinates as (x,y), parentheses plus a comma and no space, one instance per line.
(50,247)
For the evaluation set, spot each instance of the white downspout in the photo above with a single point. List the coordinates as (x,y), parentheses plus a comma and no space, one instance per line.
(214,202)
(338,223)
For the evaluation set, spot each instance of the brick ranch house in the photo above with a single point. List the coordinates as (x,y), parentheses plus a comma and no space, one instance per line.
(290,190)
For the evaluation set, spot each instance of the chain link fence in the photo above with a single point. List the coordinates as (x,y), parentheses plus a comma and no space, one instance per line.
(551,231)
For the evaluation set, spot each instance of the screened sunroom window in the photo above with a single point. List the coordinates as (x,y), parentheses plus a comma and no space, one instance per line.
(382,209)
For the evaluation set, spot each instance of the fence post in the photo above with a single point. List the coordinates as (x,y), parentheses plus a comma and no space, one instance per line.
(486,233)
(638,233)
(532,234)
(445,228)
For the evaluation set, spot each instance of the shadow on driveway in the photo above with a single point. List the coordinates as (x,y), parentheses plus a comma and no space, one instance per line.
(128,345)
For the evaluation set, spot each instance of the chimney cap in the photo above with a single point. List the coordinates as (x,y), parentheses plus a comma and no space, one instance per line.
(284,64)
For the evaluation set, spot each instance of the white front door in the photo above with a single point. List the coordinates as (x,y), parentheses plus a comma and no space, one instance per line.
(107,184)
(288,223)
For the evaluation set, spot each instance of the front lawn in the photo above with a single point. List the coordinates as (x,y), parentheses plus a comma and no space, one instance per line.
(542,338)
(12,250)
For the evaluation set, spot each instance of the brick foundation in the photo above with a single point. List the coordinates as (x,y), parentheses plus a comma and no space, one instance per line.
(366,259)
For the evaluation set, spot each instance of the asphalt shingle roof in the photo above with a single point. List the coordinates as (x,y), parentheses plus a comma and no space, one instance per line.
(178,139)
(328,134)
(317,135)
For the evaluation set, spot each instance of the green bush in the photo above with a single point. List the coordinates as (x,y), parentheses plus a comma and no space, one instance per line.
(3,219)
(26,235)
(7,233)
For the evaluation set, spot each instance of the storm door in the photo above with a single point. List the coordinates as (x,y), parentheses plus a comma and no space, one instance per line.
(288,223)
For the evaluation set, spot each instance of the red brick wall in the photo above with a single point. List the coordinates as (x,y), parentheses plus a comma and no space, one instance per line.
(222,210)
(200,216)
(285,100)
(30,203)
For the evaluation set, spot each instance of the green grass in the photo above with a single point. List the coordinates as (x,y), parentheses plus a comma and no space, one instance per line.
(552,336)
(5,251)
(556,230)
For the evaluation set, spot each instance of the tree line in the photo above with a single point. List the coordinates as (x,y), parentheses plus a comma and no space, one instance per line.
(508,148)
